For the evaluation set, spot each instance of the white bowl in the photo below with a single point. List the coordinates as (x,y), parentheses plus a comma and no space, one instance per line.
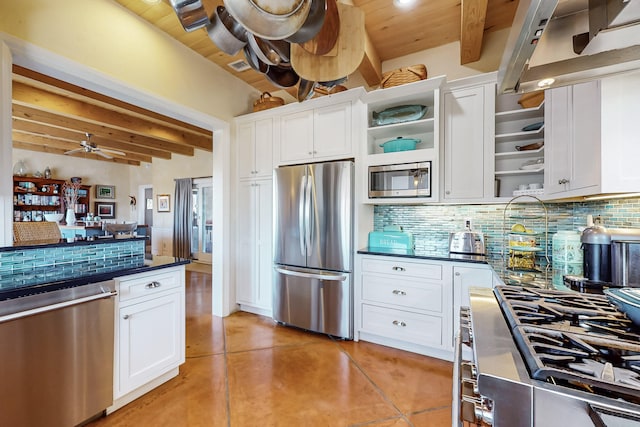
(53,217)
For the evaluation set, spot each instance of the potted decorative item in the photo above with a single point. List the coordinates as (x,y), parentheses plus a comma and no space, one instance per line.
(70,193)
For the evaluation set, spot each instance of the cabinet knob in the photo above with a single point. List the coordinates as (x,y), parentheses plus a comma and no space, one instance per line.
(447,192)
(457,273)
(398,292)
(396,268)
(399,323)
(315,152)
(126,316)
(310,153)
(563,181)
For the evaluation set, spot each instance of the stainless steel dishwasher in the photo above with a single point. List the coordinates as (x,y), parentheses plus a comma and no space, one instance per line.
(56,356)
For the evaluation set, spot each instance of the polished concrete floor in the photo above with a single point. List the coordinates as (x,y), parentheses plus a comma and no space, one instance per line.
(245,371)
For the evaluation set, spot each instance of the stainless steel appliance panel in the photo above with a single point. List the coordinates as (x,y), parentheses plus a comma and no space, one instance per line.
(330,195)
(315,300)
(290,184)
(56,363)
(400,180)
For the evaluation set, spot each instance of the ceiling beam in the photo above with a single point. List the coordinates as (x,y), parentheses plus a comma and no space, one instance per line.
(43,129)
(472,21)
(42,99)
(22,74)
(61,120)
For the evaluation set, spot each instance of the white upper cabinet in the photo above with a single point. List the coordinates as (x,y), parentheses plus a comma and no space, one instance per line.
(255,148)
(593,144)
(317,134)
(468,143)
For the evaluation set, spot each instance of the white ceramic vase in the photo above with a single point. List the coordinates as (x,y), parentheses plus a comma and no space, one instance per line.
(70,218)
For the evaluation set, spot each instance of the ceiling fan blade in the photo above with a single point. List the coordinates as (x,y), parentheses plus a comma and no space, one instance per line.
(100,153)
(116,152)
(77,150)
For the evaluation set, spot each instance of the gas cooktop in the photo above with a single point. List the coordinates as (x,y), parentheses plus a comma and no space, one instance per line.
(575,340)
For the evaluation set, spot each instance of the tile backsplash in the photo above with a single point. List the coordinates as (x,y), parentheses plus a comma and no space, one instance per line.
(431,224)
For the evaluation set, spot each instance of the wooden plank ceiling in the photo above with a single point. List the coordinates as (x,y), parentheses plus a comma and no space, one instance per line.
(392,32)
(53,116)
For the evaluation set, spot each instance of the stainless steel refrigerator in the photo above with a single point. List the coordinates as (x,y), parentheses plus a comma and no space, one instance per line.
(313,240)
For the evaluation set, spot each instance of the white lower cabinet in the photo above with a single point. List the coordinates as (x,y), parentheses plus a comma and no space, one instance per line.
(150,332)
(412,304)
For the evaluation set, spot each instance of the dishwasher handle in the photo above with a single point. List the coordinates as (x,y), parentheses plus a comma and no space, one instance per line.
(59,305)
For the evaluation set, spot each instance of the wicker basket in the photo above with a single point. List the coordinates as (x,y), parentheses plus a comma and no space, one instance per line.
(267,101)
(36,231)
(532,99)
(402,76)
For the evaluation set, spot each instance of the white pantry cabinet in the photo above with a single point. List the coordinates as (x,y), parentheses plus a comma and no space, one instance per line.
(150,331)
(254,259)
(255,148)
(317,134)
(468,147)
(593,143)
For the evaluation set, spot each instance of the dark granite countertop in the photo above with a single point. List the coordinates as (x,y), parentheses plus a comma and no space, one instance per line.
(18,290)
(423,254)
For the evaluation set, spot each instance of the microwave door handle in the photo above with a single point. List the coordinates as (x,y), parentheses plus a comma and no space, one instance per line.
(301,214)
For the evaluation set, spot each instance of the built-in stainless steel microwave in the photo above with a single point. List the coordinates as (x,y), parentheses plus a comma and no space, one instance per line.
(401,180)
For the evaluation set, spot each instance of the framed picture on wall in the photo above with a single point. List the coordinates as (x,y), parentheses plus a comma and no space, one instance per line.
(105,191)
(105,210)
(163,203)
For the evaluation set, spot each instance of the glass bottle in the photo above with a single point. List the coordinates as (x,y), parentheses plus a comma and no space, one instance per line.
(20,169)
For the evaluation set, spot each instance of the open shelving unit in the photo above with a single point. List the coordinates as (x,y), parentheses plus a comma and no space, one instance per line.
(510,120)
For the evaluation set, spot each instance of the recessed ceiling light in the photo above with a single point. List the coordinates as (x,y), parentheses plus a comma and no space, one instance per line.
(152,1)
(403,4)
(546,82)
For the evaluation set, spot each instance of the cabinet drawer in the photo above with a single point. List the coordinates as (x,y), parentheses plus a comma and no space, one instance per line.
(405,292)
(149,284)
(402,268)
(416,328)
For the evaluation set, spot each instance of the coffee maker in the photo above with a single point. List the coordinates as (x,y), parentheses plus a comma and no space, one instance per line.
(611,258)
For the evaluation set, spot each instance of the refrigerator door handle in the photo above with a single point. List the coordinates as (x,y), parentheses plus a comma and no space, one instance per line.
(301,214)
(319,276)
(309,220)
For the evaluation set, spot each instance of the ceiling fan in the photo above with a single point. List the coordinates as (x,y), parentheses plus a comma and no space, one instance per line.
(91,147)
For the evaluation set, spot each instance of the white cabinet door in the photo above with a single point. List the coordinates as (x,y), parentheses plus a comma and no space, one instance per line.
(572,153)
(332,131)
(296,136)
(263,149)
(254,249)
(465,278)
(465,153)
(255,149)
(150,339)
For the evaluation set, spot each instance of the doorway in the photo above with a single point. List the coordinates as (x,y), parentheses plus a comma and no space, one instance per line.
(202,231)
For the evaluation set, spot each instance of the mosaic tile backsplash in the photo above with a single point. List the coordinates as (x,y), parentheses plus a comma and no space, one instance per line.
(25,267)
(431,224)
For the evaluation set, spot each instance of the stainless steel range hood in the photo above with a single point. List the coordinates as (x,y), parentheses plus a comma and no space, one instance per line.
(569,41)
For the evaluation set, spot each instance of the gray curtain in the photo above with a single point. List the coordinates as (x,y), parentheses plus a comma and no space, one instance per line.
(182,218)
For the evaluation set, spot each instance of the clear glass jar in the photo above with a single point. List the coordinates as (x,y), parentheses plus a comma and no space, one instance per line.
(567,248)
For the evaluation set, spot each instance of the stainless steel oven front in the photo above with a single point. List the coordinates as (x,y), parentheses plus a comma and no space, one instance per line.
(400,180)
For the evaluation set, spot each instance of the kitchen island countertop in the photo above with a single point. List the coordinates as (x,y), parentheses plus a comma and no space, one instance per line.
(424,254)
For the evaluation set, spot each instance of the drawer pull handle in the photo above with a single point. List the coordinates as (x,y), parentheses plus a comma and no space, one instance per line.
(153,285)
(396,268)
(399,292)
(399,323)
